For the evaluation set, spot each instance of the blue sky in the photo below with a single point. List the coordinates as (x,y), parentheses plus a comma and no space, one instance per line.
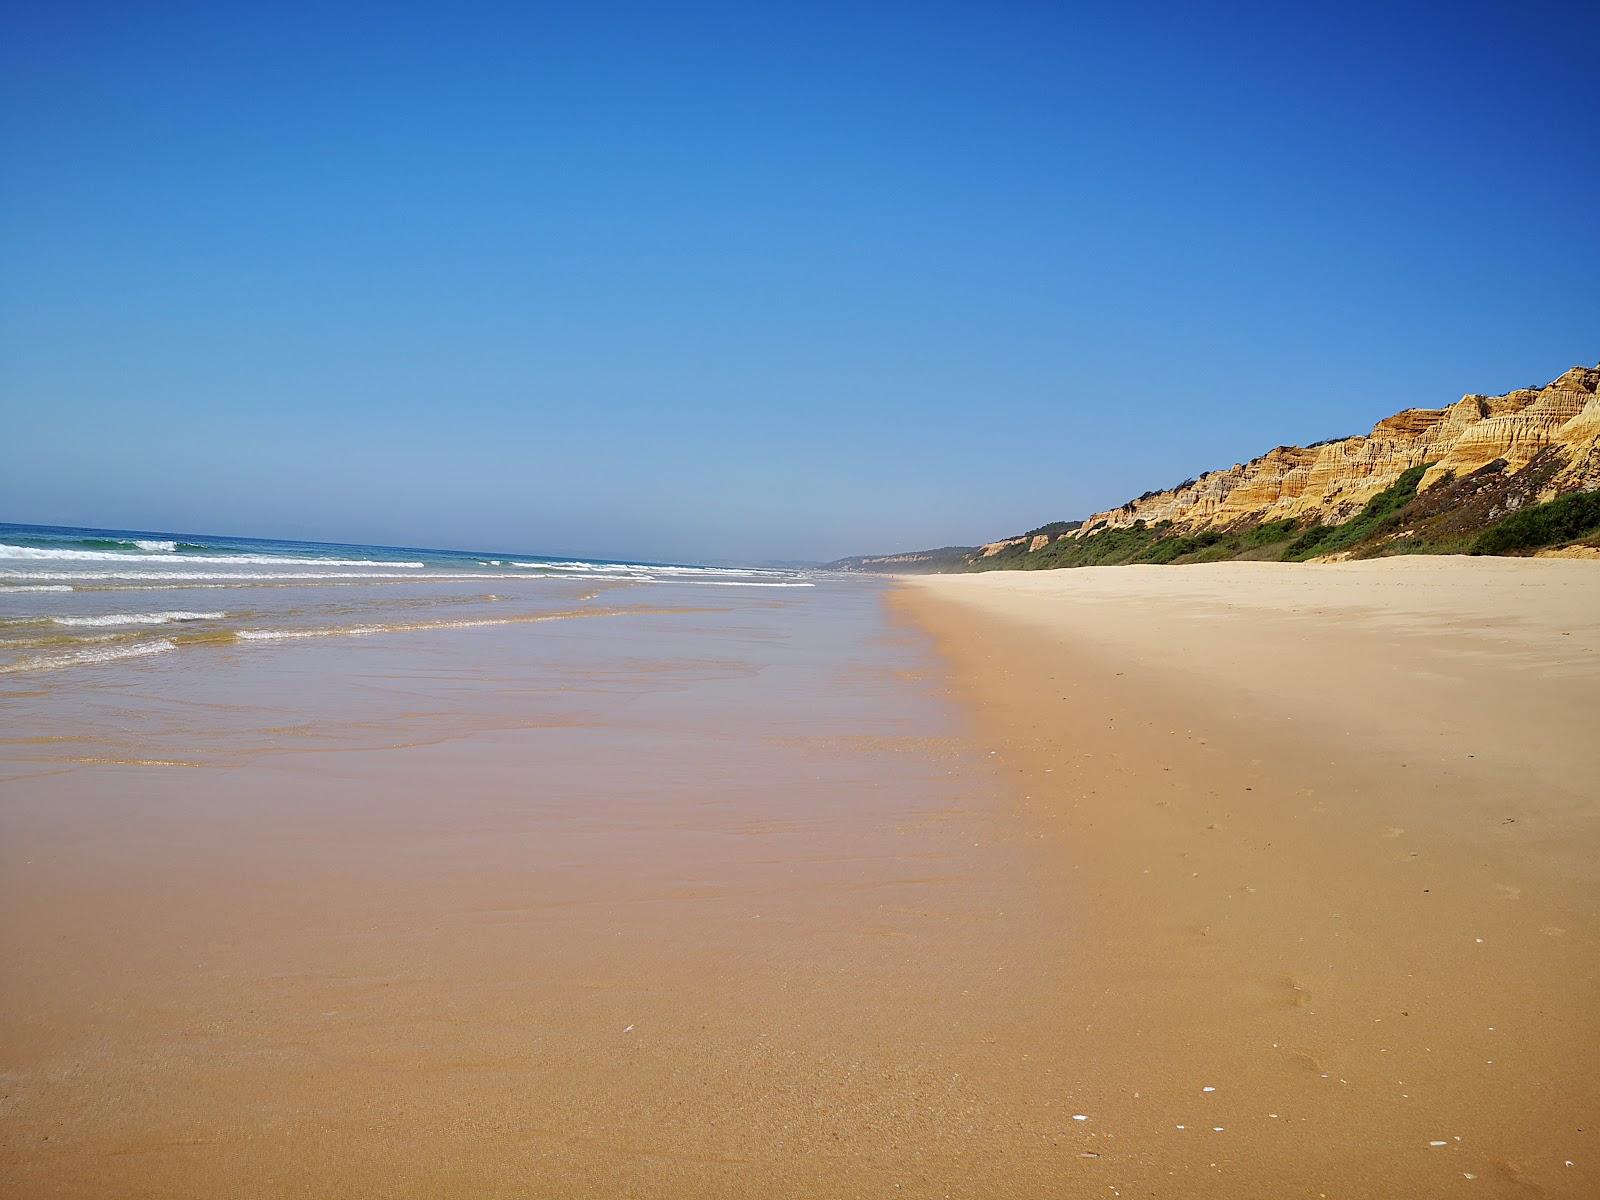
(754,281)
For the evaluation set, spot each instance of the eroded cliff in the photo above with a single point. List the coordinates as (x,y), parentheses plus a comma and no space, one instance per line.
(1511,474)
(1330,482)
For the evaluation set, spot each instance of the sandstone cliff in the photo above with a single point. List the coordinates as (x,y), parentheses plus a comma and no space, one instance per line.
(1511,474)
(1330,482)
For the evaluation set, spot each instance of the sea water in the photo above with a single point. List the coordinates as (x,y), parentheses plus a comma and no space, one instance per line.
(73,598)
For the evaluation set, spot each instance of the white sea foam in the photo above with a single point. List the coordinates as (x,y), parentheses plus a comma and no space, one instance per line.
(638,573)
(148,618)
(748,582)
(586,566)
(567,576)
(289,635)
(284,635)
(39,580)
(229,576)
(155,545)
(87,657)
(587,570)
(744,571)
(39,553)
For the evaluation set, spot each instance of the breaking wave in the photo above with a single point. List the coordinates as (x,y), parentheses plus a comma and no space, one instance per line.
(147,618)
(284,635)
(229,576)
(87,657)
(644,573)
(53,554)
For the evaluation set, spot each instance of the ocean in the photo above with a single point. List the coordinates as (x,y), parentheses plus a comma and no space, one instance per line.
(77,598)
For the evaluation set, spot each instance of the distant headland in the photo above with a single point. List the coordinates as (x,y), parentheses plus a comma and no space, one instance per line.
(1509,474)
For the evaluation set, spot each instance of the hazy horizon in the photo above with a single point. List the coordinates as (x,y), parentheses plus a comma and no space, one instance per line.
(724,284)
(8,528)
(602,553)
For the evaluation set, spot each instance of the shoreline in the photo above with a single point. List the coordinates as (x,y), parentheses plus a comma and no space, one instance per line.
(711,903)
(965,889)
(1327,835)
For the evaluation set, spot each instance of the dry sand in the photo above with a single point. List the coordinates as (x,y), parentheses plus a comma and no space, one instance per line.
(1330,842)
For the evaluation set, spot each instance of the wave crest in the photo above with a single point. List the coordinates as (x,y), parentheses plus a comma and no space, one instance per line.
(87,657)
(163,554)
(147,618)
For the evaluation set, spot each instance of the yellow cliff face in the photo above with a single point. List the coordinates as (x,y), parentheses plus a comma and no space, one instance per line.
(993,548)
(1330,482)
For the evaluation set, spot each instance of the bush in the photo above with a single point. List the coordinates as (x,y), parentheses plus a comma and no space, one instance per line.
(1564,519)
(1268,532)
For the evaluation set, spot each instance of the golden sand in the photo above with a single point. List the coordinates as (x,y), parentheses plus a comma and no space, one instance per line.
(685,903)
(1331,839)
(774,901)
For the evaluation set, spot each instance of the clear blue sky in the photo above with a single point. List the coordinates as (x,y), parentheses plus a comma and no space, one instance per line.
(746,280)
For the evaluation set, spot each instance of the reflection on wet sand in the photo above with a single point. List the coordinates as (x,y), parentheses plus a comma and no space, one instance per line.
(693,901)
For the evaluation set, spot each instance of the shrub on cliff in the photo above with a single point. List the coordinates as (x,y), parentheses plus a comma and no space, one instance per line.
(1564,519)
(1381,514)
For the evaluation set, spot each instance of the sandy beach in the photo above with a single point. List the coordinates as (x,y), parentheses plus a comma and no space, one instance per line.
(697,899)
(799,602)
(1329,837)
(1218,882)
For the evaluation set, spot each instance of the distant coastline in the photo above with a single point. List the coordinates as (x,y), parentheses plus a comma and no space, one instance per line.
(1497,475)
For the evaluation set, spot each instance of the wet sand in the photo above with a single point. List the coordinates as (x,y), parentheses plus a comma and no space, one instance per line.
(676,903)
(1331,839)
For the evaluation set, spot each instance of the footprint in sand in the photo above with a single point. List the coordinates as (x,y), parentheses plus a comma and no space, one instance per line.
(1295,992)
(1513,1174)
(1308,1062)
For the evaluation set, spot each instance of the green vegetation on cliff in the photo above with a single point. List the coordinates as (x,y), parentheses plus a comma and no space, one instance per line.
(1491,510)
(1141,543)
(1564,519)
(1381,515)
